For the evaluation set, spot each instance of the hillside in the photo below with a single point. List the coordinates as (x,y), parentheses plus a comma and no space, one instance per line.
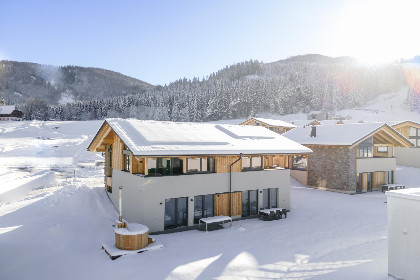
(20,81)
(297,84)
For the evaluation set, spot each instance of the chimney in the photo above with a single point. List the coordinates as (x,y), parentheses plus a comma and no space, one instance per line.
(313,131)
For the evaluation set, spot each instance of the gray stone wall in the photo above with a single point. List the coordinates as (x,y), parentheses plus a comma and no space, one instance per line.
(332,168)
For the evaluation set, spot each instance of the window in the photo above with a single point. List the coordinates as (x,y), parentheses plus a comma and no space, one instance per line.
(251,163)
(270,198)
(415,136)
(200,165)
(164,166)
(203,207)
(110,161)
(126,158)
(365,148)
(390,177)
(382,149)
(249,203)
(176,212)
(300,163)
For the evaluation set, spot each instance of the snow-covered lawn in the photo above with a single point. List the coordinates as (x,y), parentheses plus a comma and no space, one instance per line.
(56,232)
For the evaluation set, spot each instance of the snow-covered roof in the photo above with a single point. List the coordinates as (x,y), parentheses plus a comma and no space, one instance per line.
(393,123)
(344,134)
(7,110)
(301,123)
(329,122)
(163,138)
(274,122)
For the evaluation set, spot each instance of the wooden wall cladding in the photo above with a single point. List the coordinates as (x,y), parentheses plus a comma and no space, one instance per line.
(378,179)
(221,204)
(136,165)
(117,157)
(223,163)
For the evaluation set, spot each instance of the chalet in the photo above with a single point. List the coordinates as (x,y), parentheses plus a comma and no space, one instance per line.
(9,113)
(411,131)
(349,158)
(173,174)
(273,125)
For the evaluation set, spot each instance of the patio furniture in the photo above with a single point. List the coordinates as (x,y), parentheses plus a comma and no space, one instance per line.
(216,219)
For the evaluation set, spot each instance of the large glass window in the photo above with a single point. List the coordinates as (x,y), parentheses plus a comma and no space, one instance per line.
(251,163)
(270,198)
(164,166)
(300,163)
(126,159)
(203,207)
(415,136)
(365,148)
(176,212)
(249,203)
(200,165)
(390,177)
(110,161)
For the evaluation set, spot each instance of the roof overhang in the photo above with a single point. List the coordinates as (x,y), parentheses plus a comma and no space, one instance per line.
(386,135)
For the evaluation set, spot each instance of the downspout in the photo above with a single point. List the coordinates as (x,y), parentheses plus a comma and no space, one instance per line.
(230,184)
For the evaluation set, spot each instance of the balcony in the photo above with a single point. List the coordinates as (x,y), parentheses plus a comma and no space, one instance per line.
(374,164)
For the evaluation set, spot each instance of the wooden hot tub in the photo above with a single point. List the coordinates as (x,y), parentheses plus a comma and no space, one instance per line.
(131,236)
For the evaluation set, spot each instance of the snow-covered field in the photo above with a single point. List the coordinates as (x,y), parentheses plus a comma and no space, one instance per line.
(54,215)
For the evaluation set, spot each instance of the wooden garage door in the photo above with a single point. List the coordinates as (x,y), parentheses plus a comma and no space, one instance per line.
(221,204)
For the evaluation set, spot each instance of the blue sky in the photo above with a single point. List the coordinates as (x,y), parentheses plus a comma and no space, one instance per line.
(161,41)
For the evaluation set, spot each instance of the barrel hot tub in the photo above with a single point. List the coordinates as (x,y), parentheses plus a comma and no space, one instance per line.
(131,236)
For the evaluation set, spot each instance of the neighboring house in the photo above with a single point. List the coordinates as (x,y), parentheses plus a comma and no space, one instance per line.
(349,158)
(408,156)
(173,174)
(403,233)
(9,113)
(274,125)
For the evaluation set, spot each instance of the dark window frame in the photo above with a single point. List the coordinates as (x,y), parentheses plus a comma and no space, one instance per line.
(126,159)
(251,168)
(209,170)
(416,137)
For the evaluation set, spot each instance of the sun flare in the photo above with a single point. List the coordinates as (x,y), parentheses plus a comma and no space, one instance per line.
(378,31)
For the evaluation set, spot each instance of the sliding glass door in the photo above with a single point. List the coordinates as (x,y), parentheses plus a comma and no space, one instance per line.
(203,207)
(249,203)
(176,212)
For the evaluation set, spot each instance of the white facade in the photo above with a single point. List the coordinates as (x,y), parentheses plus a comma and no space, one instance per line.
(144,197)
(408,156)
(376,164)
(404,233)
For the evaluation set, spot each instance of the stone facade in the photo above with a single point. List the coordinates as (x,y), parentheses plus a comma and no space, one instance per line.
(333,168)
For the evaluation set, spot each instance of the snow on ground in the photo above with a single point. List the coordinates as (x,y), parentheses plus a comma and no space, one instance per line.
(56,232)
(54,215)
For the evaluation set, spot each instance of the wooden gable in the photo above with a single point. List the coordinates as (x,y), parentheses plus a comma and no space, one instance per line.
(386,135)
(404,127)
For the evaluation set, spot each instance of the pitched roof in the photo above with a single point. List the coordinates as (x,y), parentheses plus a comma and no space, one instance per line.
(163,138)
(344,134)
(301,123)
(6,110)
(274,122)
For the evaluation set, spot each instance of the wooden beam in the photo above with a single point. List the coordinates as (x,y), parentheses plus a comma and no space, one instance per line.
(97,141)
